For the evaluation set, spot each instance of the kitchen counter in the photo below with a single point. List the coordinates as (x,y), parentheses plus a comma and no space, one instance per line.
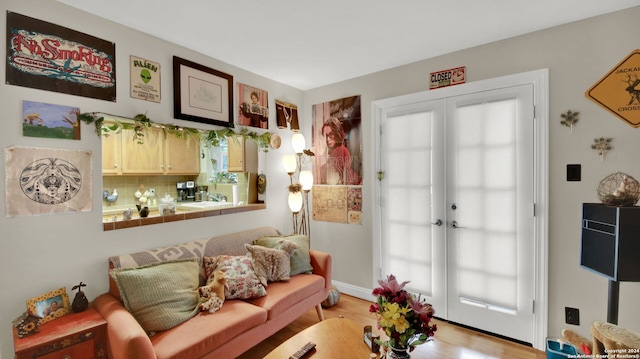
(112,219)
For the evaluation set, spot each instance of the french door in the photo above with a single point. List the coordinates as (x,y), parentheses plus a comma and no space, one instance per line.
(456,205)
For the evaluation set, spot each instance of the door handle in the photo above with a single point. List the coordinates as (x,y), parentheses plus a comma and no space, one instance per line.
(454,224)
(437,223)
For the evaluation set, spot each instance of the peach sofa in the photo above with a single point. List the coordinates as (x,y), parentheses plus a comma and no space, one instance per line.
(238,326)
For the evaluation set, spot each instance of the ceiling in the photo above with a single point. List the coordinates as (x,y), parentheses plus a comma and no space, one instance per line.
(307,44)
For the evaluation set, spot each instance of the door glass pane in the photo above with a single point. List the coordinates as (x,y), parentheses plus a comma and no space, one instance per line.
(406,199)
(486,193)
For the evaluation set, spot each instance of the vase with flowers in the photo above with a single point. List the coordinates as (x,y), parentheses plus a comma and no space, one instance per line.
(404,317)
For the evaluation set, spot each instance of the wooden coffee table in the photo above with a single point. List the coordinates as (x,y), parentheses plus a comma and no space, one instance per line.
(334,338)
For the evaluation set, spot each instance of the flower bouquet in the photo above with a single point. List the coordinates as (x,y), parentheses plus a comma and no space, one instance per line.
(405,318)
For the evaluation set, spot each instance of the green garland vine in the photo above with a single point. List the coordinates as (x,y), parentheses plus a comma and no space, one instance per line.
(140,123)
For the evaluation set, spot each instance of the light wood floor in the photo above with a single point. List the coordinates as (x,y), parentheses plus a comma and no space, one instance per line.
(451,341)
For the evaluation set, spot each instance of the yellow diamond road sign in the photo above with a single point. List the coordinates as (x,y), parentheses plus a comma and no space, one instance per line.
(619,90)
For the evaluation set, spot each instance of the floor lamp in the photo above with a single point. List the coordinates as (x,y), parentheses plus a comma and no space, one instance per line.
(300,184)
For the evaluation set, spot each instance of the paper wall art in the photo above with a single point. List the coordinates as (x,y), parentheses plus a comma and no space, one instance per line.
(254,106)
(330,204)
(287,115)
(50,57)
(145,79)
(50,121)
(47,181)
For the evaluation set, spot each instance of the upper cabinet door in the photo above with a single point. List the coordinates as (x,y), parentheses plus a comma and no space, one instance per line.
(181,156)
(111,154)
(143,158)
(243,155)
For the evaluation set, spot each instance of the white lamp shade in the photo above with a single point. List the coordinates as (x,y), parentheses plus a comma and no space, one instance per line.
(295,201)
(306,180)
(297,142)
(289,163)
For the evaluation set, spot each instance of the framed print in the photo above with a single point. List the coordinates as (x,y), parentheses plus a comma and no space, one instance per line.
(202,94)
(254,107)
(49,306)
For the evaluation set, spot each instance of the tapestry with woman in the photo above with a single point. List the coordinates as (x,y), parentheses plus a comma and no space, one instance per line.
(338,168)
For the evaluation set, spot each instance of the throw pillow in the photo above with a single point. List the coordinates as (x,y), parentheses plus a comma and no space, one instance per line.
(241,281)
(271,264)
(160,295)
(300,259)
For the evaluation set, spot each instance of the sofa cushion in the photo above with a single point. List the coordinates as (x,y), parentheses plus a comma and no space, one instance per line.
(241,281)
(271,264)
(283,295)
(160,295)
(203,333)
(300,259)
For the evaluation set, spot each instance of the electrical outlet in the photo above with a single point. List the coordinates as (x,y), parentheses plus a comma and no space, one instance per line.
(572,315)
(152,191)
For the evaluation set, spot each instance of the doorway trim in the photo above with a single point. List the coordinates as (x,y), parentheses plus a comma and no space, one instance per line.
(540,81)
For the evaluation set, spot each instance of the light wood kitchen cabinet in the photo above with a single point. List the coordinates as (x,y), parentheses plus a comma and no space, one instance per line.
(146,158)
(157,155)
(181,156)
(111,154)
(243,155)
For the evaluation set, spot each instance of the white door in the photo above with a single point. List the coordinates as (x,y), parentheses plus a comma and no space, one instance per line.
(456,206)
(490,211)
(412,198)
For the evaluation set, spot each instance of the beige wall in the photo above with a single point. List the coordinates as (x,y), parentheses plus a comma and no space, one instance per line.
(38,254)
(577,55)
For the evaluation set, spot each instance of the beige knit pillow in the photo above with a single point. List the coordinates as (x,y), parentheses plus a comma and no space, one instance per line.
(271,264)
(160,295)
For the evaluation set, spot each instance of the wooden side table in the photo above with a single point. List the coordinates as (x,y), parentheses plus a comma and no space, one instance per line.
(75,335)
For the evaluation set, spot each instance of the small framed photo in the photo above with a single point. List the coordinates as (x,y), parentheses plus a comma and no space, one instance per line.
(202,94)
(50,305)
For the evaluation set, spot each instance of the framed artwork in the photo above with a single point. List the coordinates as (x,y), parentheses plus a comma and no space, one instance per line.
(50,305)
(254,106)
(145,79)
(202,94)
(51,57)
(50,121)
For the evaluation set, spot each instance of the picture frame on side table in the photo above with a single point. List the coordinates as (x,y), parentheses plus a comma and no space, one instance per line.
(49,306)
(202,94)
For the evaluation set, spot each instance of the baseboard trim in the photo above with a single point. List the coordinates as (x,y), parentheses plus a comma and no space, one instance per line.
(355,291)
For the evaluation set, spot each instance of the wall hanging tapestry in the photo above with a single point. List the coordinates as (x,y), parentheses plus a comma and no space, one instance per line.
(50,57)
(47,181)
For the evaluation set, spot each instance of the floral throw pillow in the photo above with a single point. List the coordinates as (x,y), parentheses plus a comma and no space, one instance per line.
(242,282)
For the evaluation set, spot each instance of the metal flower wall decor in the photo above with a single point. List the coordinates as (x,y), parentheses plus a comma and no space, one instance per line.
(602,145)
(570,119)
